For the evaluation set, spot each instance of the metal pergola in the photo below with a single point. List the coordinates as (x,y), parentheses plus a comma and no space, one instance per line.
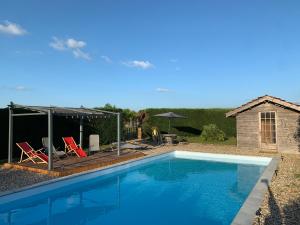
(80,113)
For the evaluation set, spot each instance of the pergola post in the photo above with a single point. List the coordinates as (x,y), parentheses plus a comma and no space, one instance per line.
(10,133)
(119,132)
(50,140)
(81,132)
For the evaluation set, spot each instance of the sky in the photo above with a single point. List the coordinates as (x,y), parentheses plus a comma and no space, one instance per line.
(145,53)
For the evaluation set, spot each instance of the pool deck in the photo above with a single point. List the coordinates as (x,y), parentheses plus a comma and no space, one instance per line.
(72,164)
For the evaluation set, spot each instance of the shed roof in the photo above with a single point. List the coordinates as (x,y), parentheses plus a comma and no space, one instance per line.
(64,111)
(263,99)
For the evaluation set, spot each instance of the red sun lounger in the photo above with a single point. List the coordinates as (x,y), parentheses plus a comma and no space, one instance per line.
(71,146)
(36,156)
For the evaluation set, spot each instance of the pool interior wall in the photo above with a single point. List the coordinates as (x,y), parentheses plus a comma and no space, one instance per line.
(164,186)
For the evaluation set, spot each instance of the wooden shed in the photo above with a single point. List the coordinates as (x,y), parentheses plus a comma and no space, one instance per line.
(268,124)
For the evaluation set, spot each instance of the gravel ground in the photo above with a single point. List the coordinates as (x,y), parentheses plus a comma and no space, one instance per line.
(282,202)
(13,179)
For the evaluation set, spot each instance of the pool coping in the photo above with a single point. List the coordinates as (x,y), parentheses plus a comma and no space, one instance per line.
(247,212)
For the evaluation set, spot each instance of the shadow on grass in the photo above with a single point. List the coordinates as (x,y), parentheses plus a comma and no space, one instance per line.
(190,130)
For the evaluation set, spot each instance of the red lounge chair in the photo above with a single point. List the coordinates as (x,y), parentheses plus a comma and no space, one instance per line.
(36,156)
(71,146)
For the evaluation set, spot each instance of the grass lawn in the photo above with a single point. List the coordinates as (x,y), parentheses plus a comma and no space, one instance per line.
(196,139)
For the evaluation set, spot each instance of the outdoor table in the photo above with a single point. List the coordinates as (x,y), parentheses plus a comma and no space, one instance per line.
(169,138)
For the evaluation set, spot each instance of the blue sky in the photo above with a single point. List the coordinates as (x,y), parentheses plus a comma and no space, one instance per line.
(146,53)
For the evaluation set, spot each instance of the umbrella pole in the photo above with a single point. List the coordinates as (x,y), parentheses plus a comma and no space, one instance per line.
(169,125)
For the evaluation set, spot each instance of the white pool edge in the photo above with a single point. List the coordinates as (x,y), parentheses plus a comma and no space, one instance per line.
(241,159)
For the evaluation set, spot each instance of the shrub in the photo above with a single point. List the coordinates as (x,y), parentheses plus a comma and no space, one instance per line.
(211,132)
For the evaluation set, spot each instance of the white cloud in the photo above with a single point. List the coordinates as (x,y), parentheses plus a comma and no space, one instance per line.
(106,59)
(58,44)
(80,54)
(15,88)
(70,45)
(21,88)
(12,29)
(162,90)
(139,64)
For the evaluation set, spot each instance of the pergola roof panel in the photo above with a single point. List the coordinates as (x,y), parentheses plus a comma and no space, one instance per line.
(64,111)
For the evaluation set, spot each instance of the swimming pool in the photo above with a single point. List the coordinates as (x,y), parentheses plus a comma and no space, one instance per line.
(173,188)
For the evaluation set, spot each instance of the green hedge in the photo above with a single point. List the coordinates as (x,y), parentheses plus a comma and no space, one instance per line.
(193,124)
(106,128)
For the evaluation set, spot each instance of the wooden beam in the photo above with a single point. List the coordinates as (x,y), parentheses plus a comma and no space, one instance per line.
(29,114)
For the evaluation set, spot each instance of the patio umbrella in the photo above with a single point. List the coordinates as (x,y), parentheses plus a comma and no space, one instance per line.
(169,115)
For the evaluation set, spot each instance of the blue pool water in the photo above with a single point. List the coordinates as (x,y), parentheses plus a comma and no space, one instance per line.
(165,191)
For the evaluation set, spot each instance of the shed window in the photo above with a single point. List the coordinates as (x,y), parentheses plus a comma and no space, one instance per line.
(268,127)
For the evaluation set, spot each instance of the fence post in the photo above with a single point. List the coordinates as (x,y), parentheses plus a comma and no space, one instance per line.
(50,140)
(119,132)
(10,133)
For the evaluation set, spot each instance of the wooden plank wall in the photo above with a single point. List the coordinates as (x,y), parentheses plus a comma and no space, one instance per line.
(288,128)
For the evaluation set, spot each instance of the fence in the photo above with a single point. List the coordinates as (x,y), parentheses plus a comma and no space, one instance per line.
(129,133)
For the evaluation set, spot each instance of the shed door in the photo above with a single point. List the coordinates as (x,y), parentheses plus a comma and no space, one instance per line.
(268,130)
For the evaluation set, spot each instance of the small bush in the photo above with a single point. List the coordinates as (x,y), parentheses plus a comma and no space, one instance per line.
(211,133)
